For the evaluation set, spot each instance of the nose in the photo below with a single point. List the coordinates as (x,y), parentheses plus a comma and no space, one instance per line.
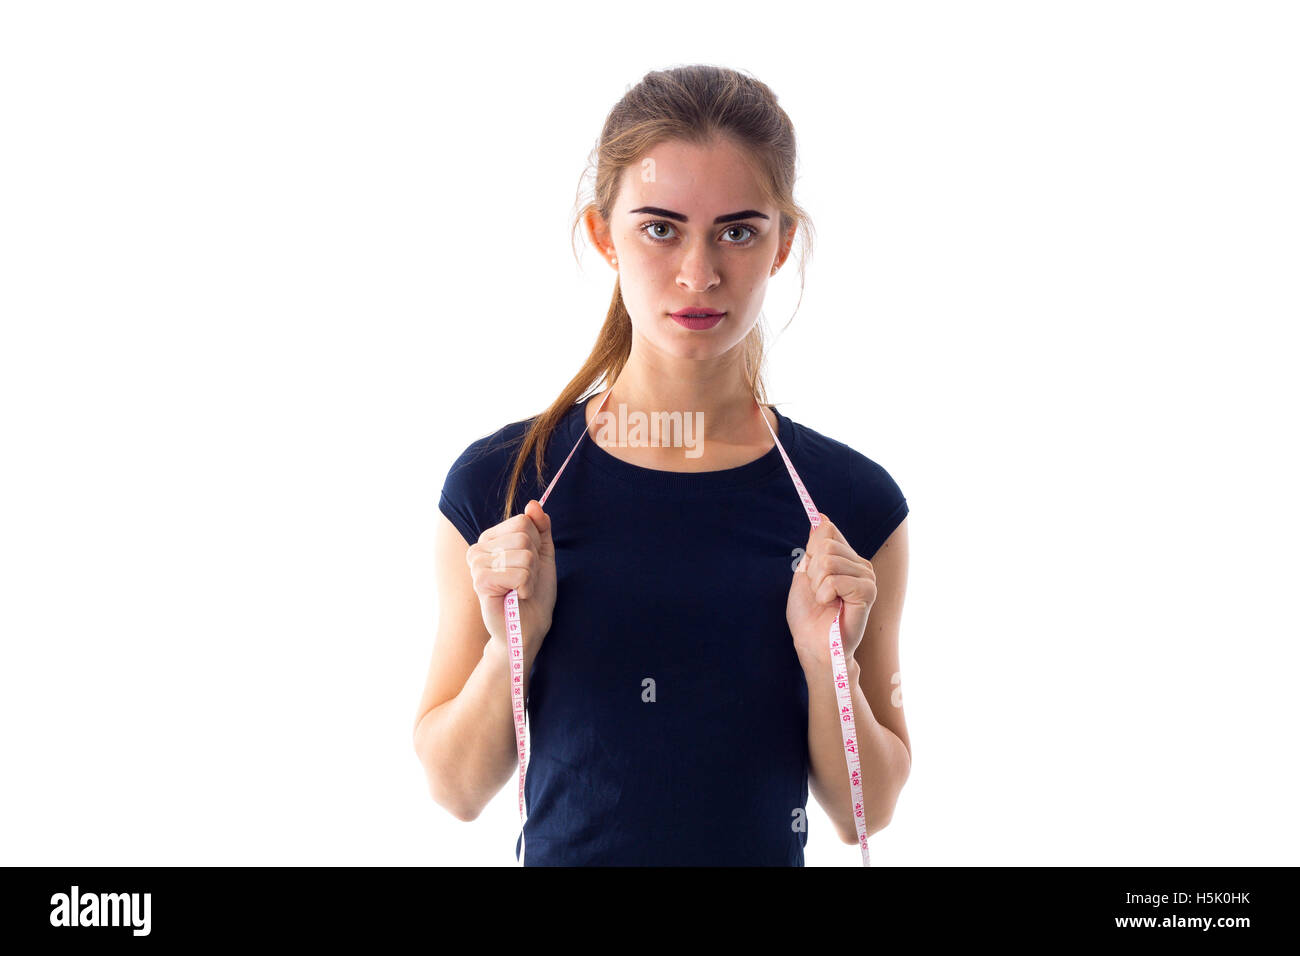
(696,272)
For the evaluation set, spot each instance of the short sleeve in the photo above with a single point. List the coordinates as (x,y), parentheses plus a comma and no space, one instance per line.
(452,504)
(878,504)
(474,490)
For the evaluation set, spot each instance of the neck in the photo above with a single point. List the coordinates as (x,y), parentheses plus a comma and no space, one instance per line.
(714,394)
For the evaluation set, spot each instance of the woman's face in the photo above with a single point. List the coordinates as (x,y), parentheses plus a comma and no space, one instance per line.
(690,228)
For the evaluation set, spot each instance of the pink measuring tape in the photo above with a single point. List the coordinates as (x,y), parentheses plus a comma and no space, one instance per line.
(844,696)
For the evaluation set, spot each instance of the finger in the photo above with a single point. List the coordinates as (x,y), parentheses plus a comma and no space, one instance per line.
(831,530)
(840,548)
(503,559)
(498,583)
(519,522)
(823,565)
(837,586)
(541,521)
(825,531)
(830,558)
(508,541)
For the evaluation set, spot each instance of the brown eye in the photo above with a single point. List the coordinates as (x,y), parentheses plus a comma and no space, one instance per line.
(649,226)
(752,234)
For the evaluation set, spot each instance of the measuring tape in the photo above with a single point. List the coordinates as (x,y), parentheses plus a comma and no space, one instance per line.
(843,694)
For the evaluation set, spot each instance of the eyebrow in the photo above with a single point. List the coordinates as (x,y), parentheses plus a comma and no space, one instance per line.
(730,217)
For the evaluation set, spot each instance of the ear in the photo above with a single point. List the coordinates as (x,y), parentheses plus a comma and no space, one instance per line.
(598,232)
(787,243)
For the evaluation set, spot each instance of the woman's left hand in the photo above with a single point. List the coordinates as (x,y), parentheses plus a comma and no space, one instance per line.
(829,572)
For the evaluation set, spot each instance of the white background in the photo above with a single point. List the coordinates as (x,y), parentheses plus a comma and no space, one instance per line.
(267,268)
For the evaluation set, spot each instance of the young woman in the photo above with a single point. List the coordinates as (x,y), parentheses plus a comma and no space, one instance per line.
(675,600)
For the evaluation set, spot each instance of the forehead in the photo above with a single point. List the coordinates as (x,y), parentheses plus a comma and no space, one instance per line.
(699,181)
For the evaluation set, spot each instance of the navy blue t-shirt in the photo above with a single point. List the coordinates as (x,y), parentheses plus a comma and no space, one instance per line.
(667,710)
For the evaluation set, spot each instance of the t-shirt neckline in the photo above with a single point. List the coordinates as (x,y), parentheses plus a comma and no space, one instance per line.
(752,472)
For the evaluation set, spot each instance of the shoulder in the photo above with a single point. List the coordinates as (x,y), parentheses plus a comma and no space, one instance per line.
(874,502)
(473,492)
(485,455)
(864,474)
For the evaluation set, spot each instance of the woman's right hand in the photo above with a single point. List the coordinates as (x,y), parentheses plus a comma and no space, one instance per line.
(517,553)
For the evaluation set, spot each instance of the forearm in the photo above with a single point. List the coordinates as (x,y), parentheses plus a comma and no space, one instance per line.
(882,755)
(467,744)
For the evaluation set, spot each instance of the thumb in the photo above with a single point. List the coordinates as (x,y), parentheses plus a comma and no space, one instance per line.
(543,523)
(824,529)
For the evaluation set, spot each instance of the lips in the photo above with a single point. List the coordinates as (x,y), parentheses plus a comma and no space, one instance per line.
(698,322)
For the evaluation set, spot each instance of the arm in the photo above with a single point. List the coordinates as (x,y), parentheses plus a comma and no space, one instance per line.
(884,749)
(464,727)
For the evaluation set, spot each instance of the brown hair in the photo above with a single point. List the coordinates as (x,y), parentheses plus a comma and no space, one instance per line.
(697,104)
